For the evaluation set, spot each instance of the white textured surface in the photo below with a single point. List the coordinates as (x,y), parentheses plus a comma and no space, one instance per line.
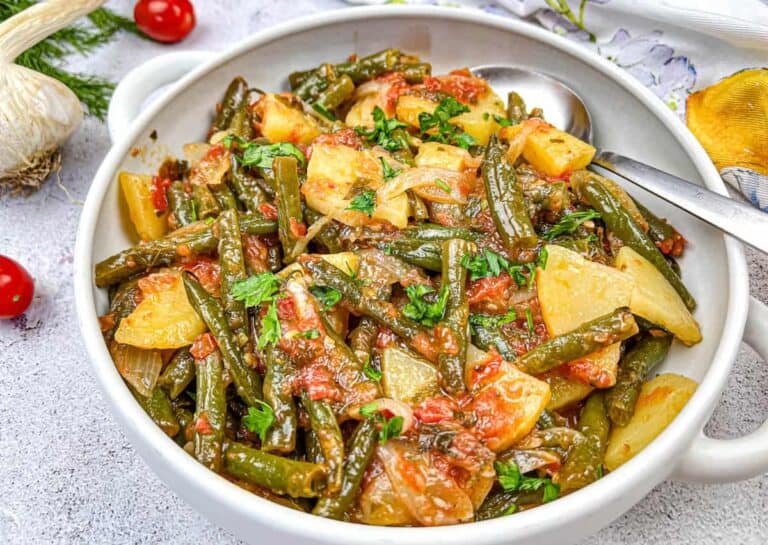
(67,474)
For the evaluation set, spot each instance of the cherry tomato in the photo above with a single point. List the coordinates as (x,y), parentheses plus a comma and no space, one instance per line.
(165,20)
(16,288)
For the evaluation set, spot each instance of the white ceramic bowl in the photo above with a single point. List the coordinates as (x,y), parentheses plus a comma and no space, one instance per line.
(627,118)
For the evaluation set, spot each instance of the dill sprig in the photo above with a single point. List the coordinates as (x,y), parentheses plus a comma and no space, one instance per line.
(101,26)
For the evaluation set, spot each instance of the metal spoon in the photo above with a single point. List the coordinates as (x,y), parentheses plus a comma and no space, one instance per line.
(565,109)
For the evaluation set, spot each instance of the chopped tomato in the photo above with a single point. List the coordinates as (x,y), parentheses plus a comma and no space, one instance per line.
(297,228)
(159,199)
(461,85)
(107,322)
(157,282)
(255,253)
(436,409)
(485,369)
(202,426)
(385,337)
(207,272)
(203,346)
(269,210)
(286,309)
(344,137)
(318,381)
(397,87)
(490,288)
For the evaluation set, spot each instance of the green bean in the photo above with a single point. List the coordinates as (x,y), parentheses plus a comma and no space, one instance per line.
(584,462)
(415,72)
(159,409)
(427,255)
(587,338)
(661,232)
(487,338)
(278,383)
(404,154)
(277,473)
(274,258)
(369,67)
(316,82)
(336,93)
(178,374)
(180,204)
(329,236)
(205,201)
(499,503)
(123,303)
(312,446)
(361,447)
(435,232)
(454,277)
(505,199)
(546,196)
(289,214)
(624,226)
(646,354)
(363,338)
(186,426)
(326,429)
(195,239)
(247,381)
(516,110)
(240,125)
(224,196)
(419,209)
(247,188)
(232,267)
(236,93)
(211,402)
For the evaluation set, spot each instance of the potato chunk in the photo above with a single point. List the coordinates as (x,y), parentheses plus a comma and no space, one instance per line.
(437,155)
(407,378)
(660,401)
(654,298)
(164,319)
(552,151)
(281,122)
(137,189)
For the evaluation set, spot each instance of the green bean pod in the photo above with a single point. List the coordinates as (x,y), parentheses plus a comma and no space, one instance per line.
(312,447)
(187,426)
(326,429)
(224,196)
(516,110)
(336,93)
(363,338)
(232,266)
(624,226)
(205,202)
(360,451)
(316,82)
(584,462)
(419,209)
(454,276)
(369,67)
(211,413)
(234,96)
(277,473)
(487,338)
(124,301)
(587,338)
(427,255)
(661,232)
(499,503)
(158,407)
(505,199)
(248,191)
(240,125)
(415,72)
(329,236)
(180,204)
(646,354)
(178,374)
(289,214)
(246,379)
(278,382)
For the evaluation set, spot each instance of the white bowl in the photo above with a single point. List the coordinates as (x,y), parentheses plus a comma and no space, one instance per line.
(627,119)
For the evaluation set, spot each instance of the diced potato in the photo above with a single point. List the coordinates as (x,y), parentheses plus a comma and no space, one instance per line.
(552,151)
(407,377)
(361,112)
(437,155)
(565,391)
(660,401)
(573,290)
(164,319)
(507,406)
(654,298)
(137,190)
(409,107)
(334,171)
(281,122)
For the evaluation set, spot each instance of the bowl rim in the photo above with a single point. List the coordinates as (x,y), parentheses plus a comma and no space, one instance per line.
(642,472)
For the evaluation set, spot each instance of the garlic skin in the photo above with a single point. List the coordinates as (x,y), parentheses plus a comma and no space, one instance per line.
(37,112)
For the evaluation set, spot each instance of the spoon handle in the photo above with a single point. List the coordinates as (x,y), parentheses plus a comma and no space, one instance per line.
(742,221)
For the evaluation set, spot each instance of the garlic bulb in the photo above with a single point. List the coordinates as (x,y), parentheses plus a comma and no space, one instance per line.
(37,113)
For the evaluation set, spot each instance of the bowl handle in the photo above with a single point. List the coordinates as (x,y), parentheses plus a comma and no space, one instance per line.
(727,460)
(141,83)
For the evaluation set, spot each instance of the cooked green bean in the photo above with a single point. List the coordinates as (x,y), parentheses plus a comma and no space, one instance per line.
(278,384)
(624,226)
(646,354)
(224,196)
(329,236)
(232,267)
(662,233)
(248,191)
(359,454)
(584,462)
(427,255)
(499,503)
(336,93)
(180,204)
(550,197)
(240,125)
(505,199)
(585,339)
(454,275)
(516,110)
(419,209)
(363,337)
(235,95)
(316,82)
(186,426)
(158,407)
(246,379)
(289,216)
(415,72)
(326,429)
(195,239)
(211,411)
(124,300)
(205,202)
(178,374)
(280,475)
(488,338)
(369,67)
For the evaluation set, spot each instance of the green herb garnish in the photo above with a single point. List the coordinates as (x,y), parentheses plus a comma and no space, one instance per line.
(568,224)
(511,480)
(529,319)
(327,297)
(263,155)
(503,121)
(259,419)
(443,185)
(446,132)
(364,202)
(387,170)
(256,289)
(371,372)
(492,321)
(390,428)
(270,327)
(419,310)
(310,334)
(381,133)
(323,111)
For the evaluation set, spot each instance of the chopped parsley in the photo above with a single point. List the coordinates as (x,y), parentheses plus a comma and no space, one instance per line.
(390,428)
(387,171)
(371,372)
(488,263)
(270,327)
(444,131)
(259,419)
(511,480)
(381,133)
(309,334)
(568,224)
(529,319)
(503,121)
(256,289)
(327,297)
(364,202)
(443,185)
(369,409)
(492,321)
(323,111)
(262,155)
(422,311)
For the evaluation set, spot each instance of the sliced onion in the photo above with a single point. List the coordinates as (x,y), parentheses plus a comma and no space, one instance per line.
(139,367)
(424,182)
(518,139)
(530,460)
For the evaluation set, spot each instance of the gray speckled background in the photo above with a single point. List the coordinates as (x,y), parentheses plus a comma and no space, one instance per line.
(67,474)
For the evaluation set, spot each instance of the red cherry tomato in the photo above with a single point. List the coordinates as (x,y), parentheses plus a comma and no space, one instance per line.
(165,20)
(16,288)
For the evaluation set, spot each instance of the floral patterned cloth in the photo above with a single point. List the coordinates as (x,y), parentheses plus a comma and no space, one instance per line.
(671,61)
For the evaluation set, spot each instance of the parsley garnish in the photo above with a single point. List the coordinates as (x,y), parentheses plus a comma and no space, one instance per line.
(364,202)
(568,224)
(488,263)
(381,133)
(529,319)
(259,419)
(510,510)
(327,297)
(390,427)
(369,409)
(256,289)
(387,170)
(322,110)
(446,132)
(270,327)
(491,321)
(442,185)
(262,155)
(370,371)
(418,309)
(503,121)
(309,334)
(511,480)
